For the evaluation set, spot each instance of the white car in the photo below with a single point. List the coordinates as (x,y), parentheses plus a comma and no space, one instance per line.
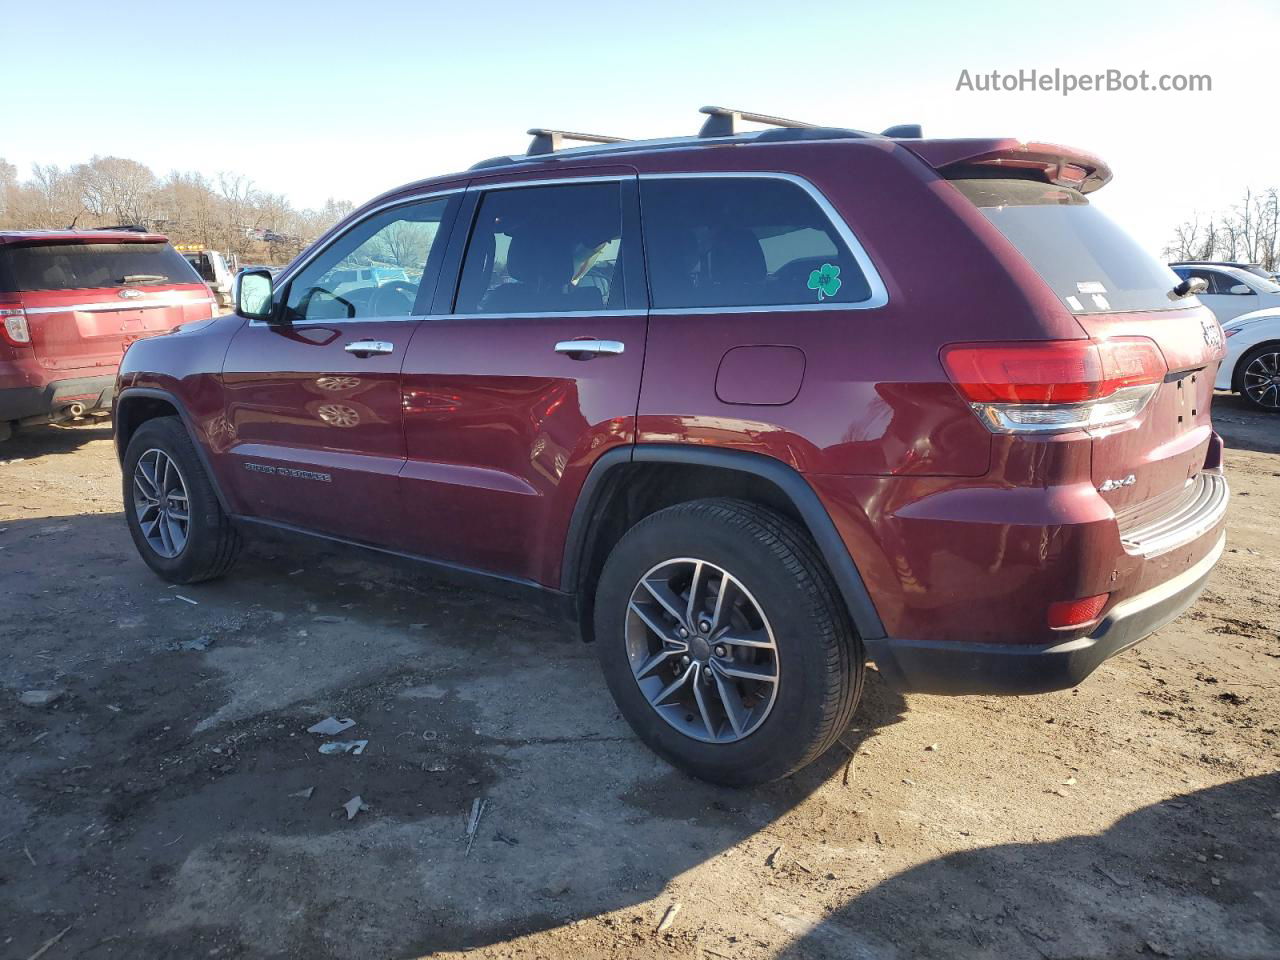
(1232,291)
(1252,364)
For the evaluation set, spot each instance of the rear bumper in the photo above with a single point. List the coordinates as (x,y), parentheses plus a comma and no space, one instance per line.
(53,399)
(987,668)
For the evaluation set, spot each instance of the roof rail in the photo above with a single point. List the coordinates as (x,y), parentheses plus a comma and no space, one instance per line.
(549,141)
(723,121)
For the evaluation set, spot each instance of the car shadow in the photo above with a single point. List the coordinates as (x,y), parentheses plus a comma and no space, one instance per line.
(28,443)
(1243,426)
(1175,879)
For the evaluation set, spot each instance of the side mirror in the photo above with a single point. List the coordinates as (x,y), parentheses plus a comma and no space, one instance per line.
(1241,289)
(253,293)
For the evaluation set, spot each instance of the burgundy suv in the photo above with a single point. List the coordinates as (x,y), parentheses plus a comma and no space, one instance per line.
(751,408)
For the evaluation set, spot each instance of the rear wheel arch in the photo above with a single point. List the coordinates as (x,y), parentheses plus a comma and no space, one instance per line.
(627,485)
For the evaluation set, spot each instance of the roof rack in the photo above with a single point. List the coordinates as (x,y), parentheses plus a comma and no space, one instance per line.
(723,121)
(549,141)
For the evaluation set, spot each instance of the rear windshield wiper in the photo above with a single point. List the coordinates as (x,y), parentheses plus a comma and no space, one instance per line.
(144,278)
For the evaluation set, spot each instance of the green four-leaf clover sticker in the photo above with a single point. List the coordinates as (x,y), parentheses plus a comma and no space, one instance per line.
(826,280)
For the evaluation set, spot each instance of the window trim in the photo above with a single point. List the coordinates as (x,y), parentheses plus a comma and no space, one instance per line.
(879,294)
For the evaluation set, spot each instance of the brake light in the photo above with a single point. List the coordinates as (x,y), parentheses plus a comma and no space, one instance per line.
(13,327)
(1071,614)
(1052,386)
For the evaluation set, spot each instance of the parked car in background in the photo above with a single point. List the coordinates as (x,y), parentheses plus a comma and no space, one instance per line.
(71,302)
(740,412)
(1252,365)
(1257,269)
(1232,290)
(214,269)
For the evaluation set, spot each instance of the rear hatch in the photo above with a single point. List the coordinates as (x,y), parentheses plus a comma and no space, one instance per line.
(1147,463)
(87,296)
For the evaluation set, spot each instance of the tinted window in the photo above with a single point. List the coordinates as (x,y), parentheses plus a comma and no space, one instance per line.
(373,270)
(738,241)
(1088,261)
(79,266)
(545,250)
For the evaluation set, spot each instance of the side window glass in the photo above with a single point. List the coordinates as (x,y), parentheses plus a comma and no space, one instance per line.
(742,241)
(374,270)
(555,249)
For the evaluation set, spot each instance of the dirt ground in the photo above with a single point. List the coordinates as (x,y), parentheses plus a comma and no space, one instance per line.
(159,807)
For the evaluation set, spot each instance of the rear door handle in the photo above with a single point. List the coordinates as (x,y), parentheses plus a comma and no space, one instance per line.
(367,348)
(586,349)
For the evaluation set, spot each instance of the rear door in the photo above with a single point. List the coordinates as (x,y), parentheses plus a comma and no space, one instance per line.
(86,302)
(528,372)
(313,399)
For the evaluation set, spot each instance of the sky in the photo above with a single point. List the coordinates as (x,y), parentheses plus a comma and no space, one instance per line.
(338,99)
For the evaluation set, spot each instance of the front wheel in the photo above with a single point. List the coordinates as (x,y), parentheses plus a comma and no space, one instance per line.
(725,643)
(173,513)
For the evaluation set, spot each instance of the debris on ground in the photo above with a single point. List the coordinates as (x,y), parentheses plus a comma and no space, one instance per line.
(51,942)
(329,618)
(668,918)
(304,794)
(355,747)
(197,645)
(932,748)
(473,821)
(1118,881)
(354,806)
(40,698)
(772,859)
(194,603)
(330,726)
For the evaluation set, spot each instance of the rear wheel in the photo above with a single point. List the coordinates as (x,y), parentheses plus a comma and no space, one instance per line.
(174,516)
(725,643)
(1260,377)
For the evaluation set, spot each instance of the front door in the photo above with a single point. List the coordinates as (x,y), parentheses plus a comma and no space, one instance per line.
(313,399)
(526,375)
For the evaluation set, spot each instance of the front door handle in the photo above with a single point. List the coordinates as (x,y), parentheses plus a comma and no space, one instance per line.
(367,348)
(586,349)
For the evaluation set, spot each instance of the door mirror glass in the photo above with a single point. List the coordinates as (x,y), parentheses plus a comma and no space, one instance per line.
(253,294)
(1241,289)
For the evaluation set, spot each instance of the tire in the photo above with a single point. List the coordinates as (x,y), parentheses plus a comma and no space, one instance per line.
(1265,359)
(781,592)
(211,542)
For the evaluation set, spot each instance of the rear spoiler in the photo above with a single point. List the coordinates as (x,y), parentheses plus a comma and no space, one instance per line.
(1064,166)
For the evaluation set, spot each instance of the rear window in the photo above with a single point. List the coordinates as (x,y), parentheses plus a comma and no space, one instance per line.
(743,242)
(79,266)
(1089,262)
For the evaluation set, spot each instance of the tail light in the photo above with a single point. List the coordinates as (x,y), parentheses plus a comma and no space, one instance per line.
(1055,386)
(13,327)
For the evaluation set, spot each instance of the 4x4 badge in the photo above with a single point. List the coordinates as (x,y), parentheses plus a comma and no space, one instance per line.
(826,280)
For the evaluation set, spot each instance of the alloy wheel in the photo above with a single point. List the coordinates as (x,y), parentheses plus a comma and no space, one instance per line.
(160,503)
(702,650)
(1262,380)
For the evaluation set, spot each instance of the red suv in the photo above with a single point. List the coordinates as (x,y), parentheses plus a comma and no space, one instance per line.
(751,408)
(70,302)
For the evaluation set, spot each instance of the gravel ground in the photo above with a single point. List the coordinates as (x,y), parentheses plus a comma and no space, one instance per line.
(170,803)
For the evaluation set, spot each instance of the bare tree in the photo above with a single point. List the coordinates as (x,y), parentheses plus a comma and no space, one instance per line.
(114,188)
